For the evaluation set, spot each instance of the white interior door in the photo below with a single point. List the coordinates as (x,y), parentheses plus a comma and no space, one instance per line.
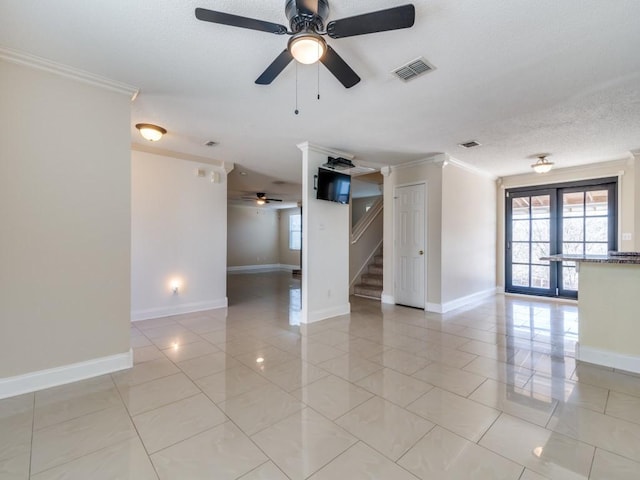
(410,245)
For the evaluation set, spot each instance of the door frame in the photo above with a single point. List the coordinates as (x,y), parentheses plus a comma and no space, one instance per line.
(426,241)
(558,186)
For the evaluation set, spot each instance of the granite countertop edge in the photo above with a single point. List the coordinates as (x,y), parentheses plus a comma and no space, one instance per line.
(629,259)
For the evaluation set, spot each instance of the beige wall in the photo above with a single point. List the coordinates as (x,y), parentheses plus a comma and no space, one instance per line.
(468,233)
(286,256)
(626,172)
(431,173)
(252,236)
(179,233)
(65,172)
(636,201)
(359,207)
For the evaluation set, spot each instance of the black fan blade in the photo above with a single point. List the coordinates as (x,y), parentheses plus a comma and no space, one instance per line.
(336,65)
(273,70)
(237,21)
(307,7)
(380,21)
(273,200)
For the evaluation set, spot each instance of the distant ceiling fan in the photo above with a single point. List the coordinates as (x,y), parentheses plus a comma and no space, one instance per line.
(306,45)
(261,198)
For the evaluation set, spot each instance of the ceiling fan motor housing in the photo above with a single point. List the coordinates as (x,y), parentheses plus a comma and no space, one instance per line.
(302,18)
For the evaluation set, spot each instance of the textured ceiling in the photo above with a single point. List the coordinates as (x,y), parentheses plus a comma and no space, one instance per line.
(521,77)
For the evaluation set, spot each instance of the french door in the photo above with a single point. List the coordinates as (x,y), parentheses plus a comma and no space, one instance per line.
(576,218)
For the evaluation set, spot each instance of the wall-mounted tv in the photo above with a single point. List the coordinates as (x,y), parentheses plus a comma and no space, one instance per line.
(333,186)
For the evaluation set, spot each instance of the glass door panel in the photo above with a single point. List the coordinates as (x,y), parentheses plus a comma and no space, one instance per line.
(587,219)
(577,218)
(528,239)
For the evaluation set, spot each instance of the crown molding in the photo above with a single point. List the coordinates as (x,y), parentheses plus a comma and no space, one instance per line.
(226,166)
(470,168)
(435,158)
(39,63)
(304,146)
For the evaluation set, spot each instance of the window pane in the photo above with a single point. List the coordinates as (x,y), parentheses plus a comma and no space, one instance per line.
(540,206)
(540,277)
(520,230)
(596,229)
(597,248)
(520,207)
(569,278)
(573,248)
(539,250)
(520,275)
(295,232)
(572,229)
(573,204)
(520,252)
(597,202)
(540,230)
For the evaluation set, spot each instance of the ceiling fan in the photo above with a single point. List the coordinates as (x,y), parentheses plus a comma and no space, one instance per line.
(307,26)
(261,198)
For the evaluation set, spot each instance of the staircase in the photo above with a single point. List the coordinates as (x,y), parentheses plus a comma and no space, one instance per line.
(370,285)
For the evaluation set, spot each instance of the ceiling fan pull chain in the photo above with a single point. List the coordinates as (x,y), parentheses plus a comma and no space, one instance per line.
(318,64)
(296,110)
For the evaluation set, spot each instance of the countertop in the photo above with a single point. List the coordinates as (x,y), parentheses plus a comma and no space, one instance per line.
(629,258)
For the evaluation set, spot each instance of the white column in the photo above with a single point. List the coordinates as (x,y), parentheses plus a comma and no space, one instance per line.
(387,247)
(325,244)
(636,203)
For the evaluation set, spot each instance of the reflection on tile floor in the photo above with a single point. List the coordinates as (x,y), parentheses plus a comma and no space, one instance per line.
(491,391)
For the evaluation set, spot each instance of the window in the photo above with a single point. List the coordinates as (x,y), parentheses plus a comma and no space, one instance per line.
(295,232)
(573,218)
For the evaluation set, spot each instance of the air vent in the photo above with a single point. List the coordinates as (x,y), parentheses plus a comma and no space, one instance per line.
(210,143)
(413,69)
(469,144)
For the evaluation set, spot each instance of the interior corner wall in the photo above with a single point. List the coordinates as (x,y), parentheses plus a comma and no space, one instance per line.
(286,255)
(628,201)
(65,169)
(252,236)
(430,173)
(178,233)
(468,234)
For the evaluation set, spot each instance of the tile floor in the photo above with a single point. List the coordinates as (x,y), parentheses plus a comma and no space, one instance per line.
(487,392)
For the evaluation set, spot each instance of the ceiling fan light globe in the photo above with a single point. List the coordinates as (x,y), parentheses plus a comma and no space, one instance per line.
(307,48)
(150,132)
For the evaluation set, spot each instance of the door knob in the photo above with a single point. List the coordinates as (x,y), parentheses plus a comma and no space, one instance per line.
(421,252)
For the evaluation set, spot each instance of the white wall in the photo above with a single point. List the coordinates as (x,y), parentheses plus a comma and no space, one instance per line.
(626,170)
(421,172)
(468,234)
(325,245)
(286,255)
(179,231)
(65,220)
(460,223)
(252,236)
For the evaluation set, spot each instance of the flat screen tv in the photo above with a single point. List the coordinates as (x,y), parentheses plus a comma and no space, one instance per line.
(333,186)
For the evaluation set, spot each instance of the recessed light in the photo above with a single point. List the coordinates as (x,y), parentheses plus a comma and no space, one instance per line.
(244,174)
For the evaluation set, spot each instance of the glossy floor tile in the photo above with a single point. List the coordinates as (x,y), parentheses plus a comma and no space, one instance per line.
(490,391)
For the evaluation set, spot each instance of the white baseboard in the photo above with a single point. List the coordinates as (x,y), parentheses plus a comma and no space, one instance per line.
(148,313)
(387,299)
(606,358)
(271,267)
(433,307)
(325,313)
(53,377)
(460,302)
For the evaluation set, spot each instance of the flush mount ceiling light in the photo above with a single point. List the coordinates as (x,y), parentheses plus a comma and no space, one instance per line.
(542,165)
(307,47)
(151,132)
